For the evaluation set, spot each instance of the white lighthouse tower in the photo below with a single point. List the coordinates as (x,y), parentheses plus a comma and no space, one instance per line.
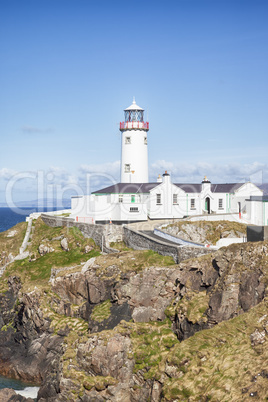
(134,151)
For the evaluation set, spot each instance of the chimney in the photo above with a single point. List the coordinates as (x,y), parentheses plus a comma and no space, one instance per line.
(159,179)
(166,177)
(206,185)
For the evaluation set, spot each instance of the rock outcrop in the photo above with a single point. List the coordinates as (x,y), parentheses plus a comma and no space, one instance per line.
(233,280)
(28,348)
(64,244)
(205,231)
(9,395)
(44,249)
(142,297)
(83,339)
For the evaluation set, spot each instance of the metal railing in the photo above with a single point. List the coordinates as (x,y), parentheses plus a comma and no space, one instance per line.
(141,125)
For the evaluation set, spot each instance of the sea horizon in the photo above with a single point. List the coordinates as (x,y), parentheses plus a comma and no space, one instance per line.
(9,217)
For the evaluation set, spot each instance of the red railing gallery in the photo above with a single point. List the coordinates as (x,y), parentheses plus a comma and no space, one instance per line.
(134,124)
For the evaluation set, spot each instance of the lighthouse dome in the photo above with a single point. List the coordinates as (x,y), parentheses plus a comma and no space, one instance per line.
(134,113)
(134,106)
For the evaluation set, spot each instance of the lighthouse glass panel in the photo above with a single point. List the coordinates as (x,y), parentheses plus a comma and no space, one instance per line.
(133,115)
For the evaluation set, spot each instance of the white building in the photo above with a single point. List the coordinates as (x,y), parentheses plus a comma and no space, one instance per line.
(134,199)
(257,207)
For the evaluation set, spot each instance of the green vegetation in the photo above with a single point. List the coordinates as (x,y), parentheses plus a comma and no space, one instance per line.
(151,343)
(37,269)
(114,265)
(11,240)
(40,269)
(216,364)
(51,236)
(120,245)
(151,257)
(101,311)
(193,306)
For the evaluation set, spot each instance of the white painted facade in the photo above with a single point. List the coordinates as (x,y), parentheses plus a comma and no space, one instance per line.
(106,208)
(166,200)
(134,148)
(258,210)
(161,203)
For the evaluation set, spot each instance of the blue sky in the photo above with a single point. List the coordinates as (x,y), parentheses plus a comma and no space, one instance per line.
(69,68)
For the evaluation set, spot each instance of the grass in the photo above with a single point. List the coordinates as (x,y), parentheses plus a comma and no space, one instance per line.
(151,342)
(41,268)
(37,269)
(12,244)
(193,306)
(102,311)
(216,364)
(77,333)
(114,265)
(120,245)
(47,235)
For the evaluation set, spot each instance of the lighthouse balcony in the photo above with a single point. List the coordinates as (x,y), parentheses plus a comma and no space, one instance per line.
(136,125)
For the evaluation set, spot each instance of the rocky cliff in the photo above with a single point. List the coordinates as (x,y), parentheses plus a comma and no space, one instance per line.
(133,326)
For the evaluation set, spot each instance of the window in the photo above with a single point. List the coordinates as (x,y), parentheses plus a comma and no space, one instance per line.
(158,199)
(220,203)
(145,140)
(192,203)
(128,140)
(127,168)
(133,209)
(175,198)
(133,198)
(120,198)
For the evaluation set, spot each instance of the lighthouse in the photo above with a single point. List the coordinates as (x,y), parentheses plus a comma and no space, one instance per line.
(134,150)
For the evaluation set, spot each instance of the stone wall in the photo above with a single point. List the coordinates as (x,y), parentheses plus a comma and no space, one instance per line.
(140,241)
(257,233)
(103,235)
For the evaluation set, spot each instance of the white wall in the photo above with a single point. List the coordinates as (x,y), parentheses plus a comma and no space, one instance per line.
(135,154)
(166,209)
(106,207)
(257,212)
(240,196)
(139,206)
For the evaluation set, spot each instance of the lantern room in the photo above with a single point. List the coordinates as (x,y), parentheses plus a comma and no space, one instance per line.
(134,112)
(134,118)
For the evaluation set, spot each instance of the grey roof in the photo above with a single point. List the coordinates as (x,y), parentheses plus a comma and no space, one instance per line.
(133,188)
(189,188)
(127,188)
(215,188)
(262,198)
(226,187)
